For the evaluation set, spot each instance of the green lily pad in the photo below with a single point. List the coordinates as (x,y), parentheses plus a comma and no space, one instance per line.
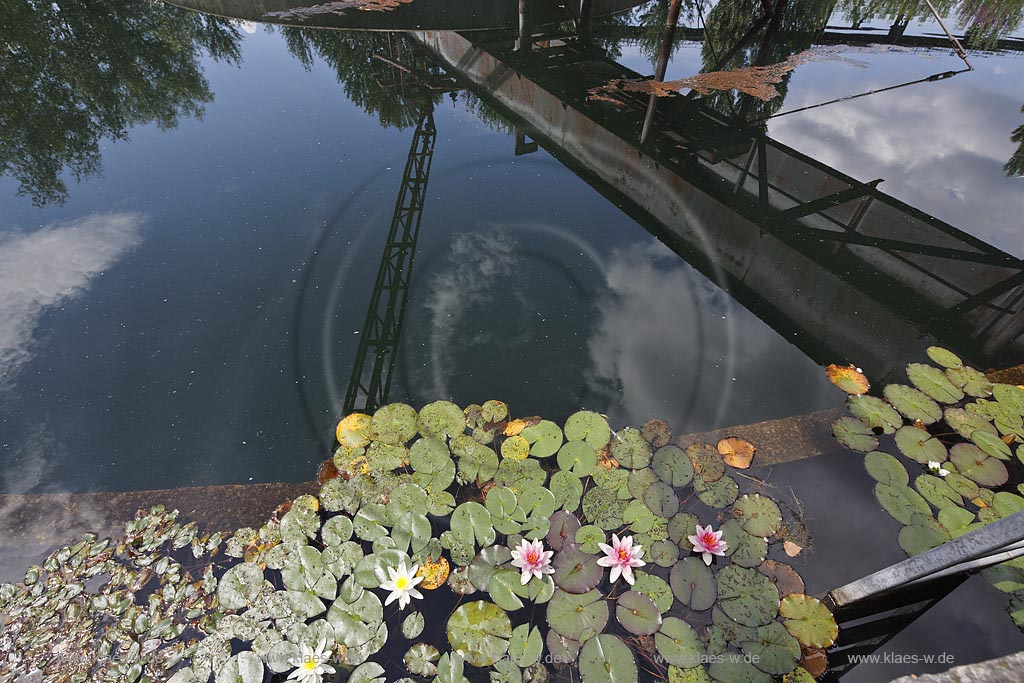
(637,613)
(561,650)
(707,463)
(737,671)
(934,382)
(990,444)
(954,519)
(962,485)
(578,616)
(681,527)
(916,538)
(481,630)
(612,479)
(759,515)
(526,645)
(696,674)
(966,423)
(372,570)
(663,553)
(506,515)
(639,480)
(974,464)
(245,667)
(459,581)
(413,625)
(486,563)
(694,584)
(372,522)
(661,499)
(744,549)
(394,424)
(808,620)
(589,427)
(441,419)
(336,530)
(502,587)
(577,457)
(355,623)
(875,412)
(1006,503)
(450,668)
(973,382)
(472,522)
(655,588)
(1010,397)
(576,571)
(937,492)
(679,644)
(630,449)
(920,446)
(477,463)
(520,475)
(538,501)
(567,489)
(639,517)
(854,434)
(588,537)
(944,357)
(606,659)
(240,586)
(775,651)
(733,631)
(901,502)
(746,596)
(429,455)
(603,510)
(564,526)
(913,404)
(886,469)
(545,438)
(717,494)
(419,659)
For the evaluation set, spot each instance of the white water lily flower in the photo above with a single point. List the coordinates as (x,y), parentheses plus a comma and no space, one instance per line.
(311,664)
(936,467)
(402,585)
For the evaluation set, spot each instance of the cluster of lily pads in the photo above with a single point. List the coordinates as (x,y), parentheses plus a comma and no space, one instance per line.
(448,544)
(959,437)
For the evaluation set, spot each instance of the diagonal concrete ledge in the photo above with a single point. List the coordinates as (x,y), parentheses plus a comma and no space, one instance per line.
(1001,670)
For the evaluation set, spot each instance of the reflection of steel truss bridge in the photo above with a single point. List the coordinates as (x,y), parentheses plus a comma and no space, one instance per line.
(834,264)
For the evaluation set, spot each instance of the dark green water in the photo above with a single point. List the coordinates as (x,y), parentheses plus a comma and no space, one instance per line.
(193,212)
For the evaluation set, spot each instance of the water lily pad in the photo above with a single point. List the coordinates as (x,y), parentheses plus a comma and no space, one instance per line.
(717,494)
(545,438)
(515,448)
(808,621)
(639,517)
(663,553)
(849,378)
(576,571)
(526,645)
(693,583)
(678,643)
(567,489)
(746,596)
(758,515)
(661,499)
(913,404)
(737,671)
(875,412)
(589,427)
(354,430)
(441,419)
(744,549)
(459,581)
(245,667)
(974,464)
(920,446)
(990,444)
(336,530)
(356,623)
(916,538)
(606,659)
(419,659)
(655,588)
(562,651)
(639,480)
(966,423)
(736,452)
(372,522)
(588,537)
(429,455)
(394,424)
(481,630)
(564,526)
(240,586)
(937,492)
(955,519)
(372,570)
(578,616)
(502,586)
(520,475)
(1009,396)
(612,479)
(901,502)
(707,463)
(973,382)
(413,625)
(944,357)
(934,382)
(486,563)
(450,668)
(886,469)
(656,432)
(681,527)
(603,510)
(577,457)
(1006,503)
(775,651)
(506,514)
(785,578)
(854,434)
(631,449)
(471,522)
(537,502)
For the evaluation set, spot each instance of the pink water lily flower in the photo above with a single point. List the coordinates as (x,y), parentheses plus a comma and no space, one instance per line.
(531,558)
(709,542)
(621,556)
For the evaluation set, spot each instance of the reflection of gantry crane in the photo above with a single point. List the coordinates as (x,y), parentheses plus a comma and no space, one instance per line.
(378,342)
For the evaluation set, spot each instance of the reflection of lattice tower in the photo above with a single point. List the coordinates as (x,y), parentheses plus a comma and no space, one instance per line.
(378,342)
